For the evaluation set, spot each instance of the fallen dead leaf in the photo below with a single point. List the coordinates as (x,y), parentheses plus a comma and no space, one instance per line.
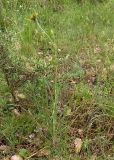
(78,145)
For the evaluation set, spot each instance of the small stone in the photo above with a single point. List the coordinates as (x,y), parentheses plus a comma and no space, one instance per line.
(16,112)
(16,157)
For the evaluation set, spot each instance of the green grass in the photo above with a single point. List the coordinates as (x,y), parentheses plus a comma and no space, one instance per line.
(69,47)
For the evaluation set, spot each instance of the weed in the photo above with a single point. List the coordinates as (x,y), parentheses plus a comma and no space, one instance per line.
(58,55)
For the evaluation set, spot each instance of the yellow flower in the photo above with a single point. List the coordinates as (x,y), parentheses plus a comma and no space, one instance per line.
(33,17)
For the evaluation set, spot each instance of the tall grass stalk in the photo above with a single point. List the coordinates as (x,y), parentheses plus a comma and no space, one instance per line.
(55,100)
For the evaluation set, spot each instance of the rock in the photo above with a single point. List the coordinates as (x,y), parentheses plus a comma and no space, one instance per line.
(4,149)
(16,157)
